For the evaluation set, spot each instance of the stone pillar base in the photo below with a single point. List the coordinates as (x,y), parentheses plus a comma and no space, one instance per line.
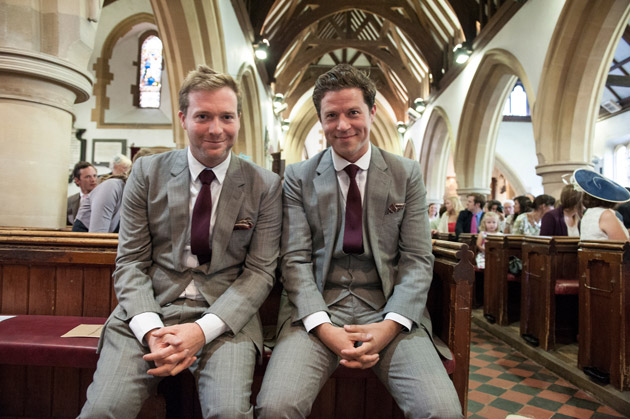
(552,173)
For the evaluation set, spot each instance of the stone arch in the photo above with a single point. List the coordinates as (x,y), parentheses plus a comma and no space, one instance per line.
(576,66)
(383,133)
(437,145)
(192,33)
(250,137)
(410,150)
(481,116)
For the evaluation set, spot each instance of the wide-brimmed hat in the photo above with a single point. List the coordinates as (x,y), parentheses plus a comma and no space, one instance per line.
(599,186)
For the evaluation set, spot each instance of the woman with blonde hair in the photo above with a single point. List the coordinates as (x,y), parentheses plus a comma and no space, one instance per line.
(449,218)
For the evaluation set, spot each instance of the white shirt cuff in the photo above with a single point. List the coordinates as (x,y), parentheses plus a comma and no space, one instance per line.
(313,320)
(212,326)
(141,323)
(402,320)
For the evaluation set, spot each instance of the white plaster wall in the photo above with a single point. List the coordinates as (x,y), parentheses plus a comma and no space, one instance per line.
(516,146)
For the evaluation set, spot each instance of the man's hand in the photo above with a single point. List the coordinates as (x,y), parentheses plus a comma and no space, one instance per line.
(339,340)
(173,348)
(382,334)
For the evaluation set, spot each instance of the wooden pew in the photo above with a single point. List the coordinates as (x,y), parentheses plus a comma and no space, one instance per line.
(501,299)
(604,319)
(549,288)
(63,391)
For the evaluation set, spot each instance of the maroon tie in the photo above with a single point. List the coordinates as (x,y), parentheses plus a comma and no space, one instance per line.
(353,230)
(200,227)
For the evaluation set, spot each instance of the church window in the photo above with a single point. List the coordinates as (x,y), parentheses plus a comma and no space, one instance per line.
(150,69)
(516,104)
(620,165)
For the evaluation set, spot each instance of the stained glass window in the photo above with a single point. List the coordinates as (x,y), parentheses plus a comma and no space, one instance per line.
(150,72)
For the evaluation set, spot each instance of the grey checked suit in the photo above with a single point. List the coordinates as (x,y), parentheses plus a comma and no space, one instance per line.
(397,228)
(150,276)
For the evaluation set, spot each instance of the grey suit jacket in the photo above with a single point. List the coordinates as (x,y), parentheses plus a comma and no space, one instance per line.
(74,201)
(397,225)
(155,225)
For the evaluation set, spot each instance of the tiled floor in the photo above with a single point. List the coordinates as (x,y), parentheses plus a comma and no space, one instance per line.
(503,381)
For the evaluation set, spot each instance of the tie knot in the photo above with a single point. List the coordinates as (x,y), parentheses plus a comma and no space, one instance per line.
(206,177)
(351,170)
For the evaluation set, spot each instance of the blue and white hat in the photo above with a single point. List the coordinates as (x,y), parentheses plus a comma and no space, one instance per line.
(599,186)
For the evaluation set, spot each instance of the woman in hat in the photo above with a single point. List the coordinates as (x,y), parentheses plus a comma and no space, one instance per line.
(600,196)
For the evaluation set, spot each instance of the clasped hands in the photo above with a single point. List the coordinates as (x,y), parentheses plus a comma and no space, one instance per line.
(173,348)
(358,345)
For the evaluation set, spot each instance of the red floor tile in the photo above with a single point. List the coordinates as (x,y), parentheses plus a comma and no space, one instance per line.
(516,396)
(488,372)
(552,395)
(576,412)
(609,411)
(535,383)
(501,383)
(535,412)
(480,397)
(520,372)
(490,412)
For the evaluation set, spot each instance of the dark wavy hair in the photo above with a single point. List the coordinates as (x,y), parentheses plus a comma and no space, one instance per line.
(343,76)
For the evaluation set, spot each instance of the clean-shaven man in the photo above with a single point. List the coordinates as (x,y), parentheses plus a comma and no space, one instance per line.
(356,265)
(198,244)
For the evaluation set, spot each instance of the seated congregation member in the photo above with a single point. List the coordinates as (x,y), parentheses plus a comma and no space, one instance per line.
(469,219)
(489,225)
(600,195)
(120,165)
(356,265)
(564,220)
(522,205)
(448,220)
(197,252)
(100,210)
(84,176)
(434,218)
(495,206)
(528,224)
(508,207)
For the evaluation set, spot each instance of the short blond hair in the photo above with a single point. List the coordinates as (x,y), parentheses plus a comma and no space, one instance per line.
(456,203)
(206,79)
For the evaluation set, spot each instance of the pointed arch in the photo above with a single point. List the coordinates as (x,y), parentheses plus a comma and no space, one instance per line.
(250,137)
(437,145)
(481,116)
(576,66)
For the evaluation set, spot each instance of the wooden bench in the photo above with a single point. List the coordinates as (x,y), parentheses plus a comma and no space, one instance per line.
(501,290)
(604,319)
(549,289)
(348,391)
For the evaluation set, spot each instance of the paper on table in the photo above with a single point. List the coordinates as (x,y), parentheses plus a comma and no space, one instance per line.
(2,318)
(85,331)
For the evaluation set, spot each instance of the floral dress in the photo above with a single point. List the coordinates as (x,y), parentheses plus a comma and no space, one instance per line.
(524,227)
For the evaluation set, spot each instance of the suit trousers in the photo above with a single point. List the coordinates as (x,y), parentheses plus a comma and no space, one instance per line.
(223,370)
(409,367)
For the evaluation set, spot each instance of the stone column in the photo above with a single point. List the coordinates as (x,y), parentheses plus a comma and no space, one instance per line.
(552,175)
(44,51)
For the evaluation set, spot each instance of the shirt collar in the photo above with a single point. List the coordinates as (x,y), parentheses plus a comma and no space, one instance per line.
(196,167)
(340,163)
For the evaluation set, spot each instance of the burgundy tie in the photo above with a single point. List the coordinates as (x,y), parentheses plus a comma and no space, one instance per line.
(200,227)
(353,230)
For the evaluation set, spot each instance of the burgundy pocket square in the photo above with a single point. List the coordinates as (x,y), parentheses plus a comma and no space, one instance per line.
(244,224)
(395,207)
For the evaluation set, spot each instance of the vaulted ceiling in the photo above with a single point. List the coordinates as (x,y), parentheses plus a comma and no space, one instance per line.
(406,45)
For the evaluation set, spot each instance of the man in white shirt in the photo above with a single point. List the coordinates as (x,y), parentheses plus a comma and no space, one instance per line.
(85,177)
(198,245)
(356,265)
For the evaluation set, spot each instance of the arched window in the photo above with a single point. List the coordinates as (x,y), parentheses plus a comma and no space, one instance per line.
(620,165)
(150,69)
(516,104)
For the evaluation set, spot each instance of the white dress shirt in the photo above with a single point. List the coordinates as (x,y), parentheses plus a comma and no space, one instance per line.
(313,320)
(211,324)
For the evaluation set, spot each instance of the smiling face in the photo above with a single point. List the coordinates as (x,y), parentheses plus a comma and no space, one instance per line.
(212,123)
(346,120)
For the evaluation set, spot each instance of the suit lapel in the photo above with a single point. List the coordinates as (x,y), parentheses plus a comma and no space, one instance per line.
(178,190)
(228,208)
(376,192)
(327,191)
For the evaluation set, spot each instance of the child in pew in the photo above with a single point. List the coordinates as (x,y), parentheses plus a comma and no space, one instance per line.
(489,224)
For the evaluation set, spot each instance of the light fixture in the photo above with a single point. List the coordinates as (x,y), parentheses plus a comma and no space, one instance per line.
(419,105)
(285,124)
(401,127)
(278,104)
(461,53)
(413,114)
(261,49)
